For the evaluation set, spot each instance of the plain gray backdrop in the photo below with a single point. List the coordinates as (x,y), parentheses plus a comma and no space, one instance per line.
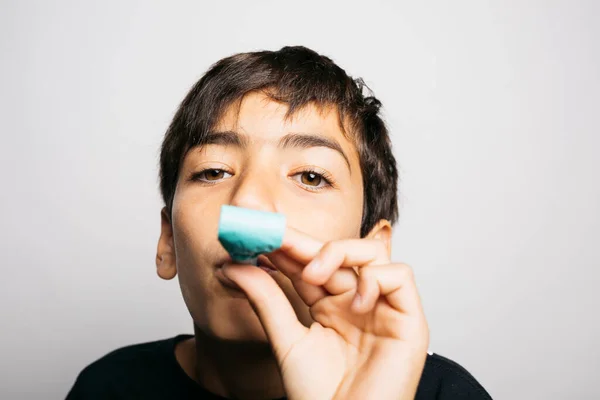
(493,108)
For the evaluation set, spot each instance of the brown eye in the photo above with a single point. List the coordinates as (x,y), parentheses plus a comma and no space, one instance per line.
(314,181)
(211,175)
(311,178)
(214,174)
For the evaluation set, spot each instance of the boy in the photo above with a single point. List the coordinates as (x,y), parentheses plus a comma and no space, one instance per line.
(326,316)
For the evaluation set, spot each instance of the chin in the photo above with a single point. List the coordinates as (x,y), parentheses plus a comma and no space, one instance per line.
(233,319)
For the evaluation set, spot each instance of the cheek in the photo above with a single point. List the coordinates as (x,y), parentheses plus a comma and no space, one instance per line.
(327,223)
(195,226)
(329,216)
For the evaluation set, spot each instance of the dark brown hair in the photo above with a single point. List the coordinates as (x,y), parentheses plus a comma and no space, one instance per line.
(296,76)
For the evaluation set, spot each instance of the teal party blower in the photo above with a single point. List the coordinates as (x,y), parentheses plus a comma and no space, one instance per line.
(247,233)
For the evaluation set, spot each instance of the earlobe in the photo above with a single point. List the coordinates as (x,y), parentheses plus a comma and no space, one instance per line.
(166,264)
(382,231)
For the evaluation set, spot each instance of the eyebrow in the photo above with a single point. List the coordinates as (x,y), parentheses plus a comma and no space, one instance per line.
(291,140)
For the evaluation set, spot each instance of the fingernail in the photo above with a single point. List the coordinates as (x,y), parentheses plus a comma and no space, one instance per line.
(314,264)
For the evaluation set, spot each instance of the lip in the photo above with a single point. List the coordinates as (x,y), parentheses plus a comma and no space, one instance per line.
(226,259)
(263,263)
(225,281)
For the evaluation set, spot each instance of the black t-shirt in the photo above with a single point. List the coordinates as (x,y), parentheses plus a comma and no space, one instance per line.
(151,371)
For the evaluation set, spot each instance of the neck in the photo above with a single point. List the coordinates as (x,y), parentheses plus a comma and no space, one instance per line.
(237,370)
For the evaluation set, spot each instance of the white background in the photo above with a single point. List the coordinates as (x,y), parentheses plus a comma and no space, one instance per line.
(493,107)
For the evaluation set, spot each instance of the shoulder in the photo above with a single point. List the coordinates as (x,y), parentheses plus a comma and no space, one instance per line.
(122,369)
(444,379)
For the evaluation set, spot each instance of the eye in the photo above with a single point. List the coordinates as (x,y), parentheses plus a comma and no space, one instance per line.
(211,175)
(313,180)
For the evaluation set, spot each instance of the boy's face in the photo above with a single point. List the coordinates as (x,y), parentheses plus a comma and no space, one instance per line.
(270,169)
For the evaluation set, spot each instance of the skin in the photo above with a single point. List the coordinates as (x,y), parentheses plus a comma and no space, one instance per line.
(295,331)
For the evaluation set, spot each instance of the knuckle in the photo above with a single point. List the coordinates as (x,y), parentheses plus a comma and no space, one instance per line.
(410,273)
(380,246)
(407,271)
(329,247)
(370,279)
(367,274)
(322,312)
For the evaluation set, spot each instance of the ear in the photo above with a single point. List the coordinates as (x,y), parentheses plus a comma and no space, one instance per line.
(166,265)
(382,231)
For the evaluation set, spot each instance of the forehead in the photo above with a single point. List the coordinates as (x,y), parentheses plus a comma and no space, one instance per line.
(263,119)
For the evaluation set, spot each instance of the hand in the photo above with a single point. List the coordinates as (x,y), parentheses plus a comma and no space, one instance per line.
(370,335)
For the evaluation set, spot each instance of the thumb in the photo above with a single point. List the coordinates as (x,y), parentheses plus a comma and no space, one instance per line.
(273,308)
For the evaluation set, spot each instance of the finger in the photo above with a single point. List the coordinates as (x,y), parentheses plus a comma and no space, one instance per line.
(339,283)
(393,281)
(344,253)
(300,246)
(292,269)
(367,293)
(304,248)
(274,310)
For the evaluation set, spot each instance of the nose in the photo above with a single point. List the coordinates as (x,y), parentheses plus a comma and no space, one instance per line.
(256,189)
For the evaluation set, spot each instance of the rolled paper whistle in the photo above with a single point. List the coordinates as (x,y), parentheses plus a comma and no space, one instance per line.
(247,233)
